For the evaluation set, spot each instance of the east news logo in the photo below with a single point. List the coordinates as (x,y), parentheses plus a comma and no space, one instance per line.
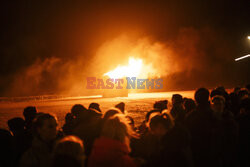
(124,83)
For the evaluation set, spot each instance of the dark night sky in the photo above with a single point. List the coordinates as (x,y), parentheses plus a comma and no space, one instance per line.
(32,31)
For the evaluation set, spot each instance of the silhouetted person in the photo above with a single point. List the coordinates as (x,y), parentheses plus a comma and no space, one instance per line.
(121,106)
(218,106)
(227,130)
(235,103)
(112,148)
(69,151)
(148,146)
(189,105)
(70,124)
(143,128)
(202,134)
(29,114)
(79,112)
(243,93)
(176,149)
(21,139)
(202,126)
(16,125)
(95,106)
(244,132)
(177,110)
(95,113)
(40,153)
(161,105)
(88,128)
(5,148)
(221,92)
(111,112)
(215,92)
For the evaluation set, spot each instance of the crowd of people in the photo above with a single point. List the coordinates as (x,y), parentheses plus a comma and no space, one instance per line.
(213,129)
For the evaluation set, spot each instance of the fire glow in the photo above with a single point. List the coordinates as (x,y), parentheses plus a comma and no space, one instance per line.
(133,69)
(127,77)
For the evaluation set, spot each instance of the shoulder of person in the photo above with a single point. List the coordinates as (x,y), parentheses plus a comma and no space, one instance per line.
(28,159)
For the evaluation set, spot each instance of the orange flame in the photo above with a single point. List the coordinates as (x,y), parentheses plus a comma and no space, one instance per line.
(133,69)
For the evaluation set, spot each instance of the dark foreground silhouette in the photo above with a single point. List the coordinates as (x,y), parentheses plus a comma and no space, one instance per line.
(211,130)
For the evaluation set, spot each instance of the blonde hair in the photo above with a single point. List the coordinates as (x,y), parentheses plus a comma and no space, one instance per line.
(117,127)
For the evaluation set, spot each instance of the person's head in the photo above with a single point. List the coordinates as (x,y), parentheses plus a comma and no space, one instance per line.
(69,145)
(151,113)
(243,93)
(69,118)
(202,96)
(160,124)
(177,99)
(117,128)
(218,103)
(215,92)
(121,106)
(16,125)
(94,114)
(245,106)
(29,113)
(189,105)
(161,105)
(131,121)
(69,151)
(111,112)
(45,126)
(95,106)
(78,110)
(221,88)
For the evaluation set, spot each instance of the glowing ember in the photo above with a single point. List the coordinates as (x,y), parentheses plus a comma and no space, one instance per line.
(133,69)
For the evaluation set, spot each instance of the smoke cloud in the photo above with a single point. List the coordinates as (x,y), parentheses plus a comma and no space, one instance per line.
(193,58)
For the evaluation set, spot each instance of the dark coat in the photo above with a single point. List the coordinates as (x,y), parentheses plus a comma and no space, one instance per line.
(39,155)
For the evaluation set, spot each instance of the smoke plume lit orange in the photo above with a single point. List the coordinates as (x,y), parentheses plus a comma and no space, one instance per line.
(183,62)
